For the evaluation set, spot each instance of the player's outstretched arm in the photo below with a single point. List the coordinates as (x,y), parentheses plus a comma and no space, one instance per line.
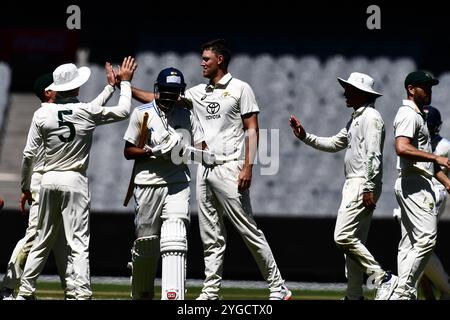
(142,96)
(122,110)
(297,127)
(442,178)
(404,148)
(329,144)
(106,94)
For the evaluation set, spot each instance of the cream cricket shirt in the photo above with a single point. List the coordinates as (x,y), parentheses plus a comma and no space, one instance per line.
(160,170)
(364,139)
(65,130)
(100,100)
(39,161)
(220,109)
(409,122)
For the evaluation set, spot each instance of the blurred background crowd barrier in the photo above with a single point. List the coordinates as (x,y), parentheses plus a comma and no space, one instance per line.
(308,182)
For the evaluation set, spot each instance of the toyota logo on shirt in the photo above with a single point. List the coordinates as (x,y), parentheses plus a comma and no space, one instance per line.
(212,108)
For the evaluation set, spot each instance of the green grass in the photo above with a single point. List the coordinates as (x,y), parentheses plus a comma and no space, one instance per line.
(52,290)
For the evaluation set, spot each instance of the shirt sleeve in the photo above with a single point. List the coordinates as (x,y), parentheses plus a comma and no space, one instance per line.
(104,115)
(196,129)
(134,128)
(328,144)
(104,96)
(248,101)
(373,162)
(34,141)
(188,94)
(405,124)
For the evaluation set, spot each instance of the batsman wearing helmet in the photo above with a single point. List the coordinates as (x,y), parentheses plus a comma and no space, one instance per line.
(363,139)
(228,114)
(161,187)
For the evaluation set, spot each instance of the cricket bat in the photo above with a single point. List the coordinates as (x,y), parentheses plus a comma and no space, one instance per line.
(142,138)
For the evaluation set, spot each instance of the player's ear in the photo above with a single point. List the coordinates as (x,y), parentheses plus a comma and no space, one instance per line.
(220,59)
(410,90)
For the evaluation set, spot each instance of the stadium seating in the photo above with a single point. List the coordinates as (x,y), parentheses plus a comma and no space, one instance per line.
(307,182)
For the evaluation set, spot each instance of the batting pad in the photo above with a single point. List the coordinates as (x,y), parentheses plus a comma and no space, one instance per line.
(145,255)
(173,252)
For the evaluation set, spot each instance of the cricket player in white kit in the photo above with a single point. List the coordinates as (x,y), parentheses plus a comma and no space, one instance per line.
(65,128)
(363,139)
(162,189)
(19,255)
(227,111)
(434,270)
(414,188)
(60,249)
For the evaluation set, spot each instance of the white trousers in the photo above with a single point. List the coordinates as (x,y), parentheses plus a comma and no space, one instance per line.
(434,269)
(154,204)
(218,195)
(417,200)
(21,250)
(64,203)
(350,235)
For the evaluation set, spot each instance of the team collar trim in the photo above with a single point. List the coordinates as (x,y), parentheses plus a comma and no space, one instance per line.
(412,105)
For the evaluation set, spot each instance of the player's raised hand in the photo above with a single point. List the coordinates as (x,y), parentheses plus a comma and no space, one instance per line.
(111,76)
(126,70)
(297,127)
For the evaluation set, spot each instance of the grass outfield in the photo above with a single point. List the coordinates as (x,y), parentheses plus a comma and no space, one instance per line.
(52,290)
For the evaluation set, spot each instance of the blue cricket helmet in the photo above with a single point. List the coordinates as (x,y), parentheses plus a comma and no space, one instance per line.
(434,120)
(170,79)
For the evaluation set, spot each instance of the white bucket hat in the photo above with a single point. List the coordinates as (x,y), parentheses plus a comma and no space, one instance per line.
(67,77)
(360,81)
